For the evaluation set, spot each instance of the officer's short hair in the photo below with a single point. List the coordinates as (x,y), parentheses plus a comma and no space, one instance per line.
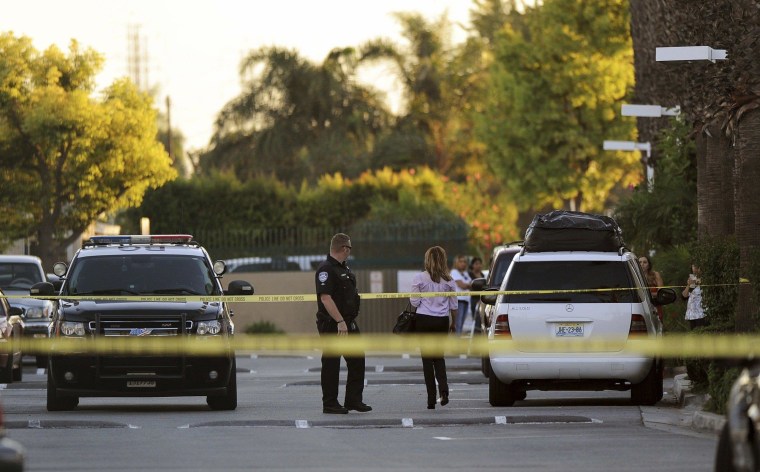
(338,241)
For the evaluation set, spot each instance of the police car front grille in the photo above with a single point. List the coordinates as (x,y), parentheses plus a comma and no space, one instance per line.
(165,326)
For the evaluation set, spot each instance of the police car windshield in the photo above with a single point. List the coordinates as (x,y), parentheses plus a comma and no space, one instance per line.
(141,274)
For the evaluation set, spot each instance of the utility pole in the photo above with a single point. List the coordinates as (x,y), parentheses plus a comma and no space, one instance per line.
(137,58)
(169,127)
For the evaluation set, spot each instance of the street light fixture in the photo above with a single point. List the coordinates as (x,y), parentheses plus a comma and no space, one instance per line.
(690,53)
(634,146)
(650,111)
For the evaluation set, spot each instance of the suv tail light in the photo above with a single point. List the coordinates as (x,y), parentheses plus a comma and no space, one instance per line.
(501,326)
(638,326)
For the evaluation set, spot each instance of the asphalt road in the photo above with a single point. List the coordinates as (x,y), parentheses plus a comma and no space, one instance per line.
(279,425)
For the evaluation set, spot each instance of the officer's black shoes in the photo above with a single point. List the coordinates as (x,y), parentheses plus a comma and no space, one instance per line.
(359,407)
(444,399)
(334,410)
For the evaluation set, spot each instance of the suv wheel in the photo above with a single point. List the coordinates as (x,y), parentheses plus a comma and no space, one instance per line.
(229,400)
(485,366)
(55,402)
(649,390)
(499,393)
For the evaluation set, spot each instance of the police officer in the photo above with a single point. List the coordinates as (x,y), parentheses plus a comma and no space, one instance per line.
(338,307)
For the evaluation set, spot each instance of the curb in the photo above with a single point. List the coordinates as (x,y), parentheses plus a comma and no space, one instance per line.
(701,420)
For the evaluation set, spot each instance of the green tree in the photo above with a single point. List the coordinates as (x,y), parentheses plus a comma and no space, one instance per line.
(665,215)
(297,120)
(557,82)
(438,82)
(66,157)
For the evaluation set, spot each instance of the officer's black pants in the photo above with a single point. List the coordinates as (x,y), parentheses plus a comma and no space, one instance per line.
(433,365)
(331,376)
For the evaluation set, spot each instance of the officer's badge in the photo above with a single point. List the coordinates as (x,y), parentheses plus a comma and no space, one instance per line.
(323,277)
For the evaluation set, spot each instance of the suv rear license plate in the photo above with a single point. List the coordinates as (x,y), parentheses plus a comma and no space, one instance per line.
(141,383)
(564,330)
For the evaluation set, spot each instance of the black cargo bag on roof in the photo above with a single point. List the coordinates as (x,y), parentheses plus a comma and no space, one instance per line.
(562,230)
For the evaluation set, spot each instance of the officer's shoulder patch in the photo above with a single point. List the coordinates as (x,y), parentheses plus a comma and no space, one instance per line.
(322,277)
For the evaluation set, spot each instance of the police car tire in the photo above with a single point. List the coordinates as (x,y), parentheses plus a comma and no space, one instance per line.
(6,372)
(18,372)
(228,401)
(55,402)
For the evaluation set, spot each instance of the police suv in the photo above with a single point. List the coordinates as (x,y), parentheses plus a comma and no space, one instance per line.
(157,267)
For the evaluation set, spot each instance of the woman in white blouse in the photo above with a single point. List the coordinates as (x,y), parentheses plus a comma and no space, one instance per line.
(435,315)
(692,293)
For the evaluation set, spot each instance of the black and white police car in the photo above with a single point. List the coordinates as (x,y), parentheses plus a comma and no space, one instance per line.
(145,265)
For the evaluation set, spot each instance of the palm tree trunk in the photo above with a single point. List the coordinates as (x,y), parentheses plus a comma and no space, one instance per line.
(747,206)
(715,202)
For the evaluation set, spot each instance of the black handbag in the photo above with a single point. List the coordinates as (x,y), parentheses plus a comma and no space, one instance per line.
(405,321)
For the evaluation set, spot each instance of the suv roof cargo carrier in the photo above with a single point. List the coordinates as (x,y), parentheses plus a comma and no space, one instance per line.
(562,230)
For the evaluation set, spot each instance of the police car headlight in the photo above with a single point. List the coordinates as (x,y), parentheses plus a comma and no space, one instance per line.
(209,327)
(72,328)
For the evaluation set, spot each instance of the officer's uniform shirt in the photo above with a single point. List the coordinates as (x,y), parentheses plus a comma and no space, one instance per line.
(337,280)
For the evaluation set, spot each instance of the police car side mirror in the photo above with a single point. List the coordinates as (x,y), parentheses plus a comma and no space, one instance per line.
(239,287)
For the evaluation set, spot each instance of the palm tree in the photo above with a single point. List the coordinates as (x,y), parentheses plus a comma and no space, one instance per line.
(297,120)
(438,82)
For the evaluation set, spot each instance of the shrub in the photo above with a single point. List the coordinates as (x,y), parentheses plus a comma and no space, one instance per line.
(263,327)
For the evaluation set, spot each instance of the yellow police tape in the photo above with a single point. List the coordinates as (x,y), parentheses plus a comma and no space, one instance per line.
(313,297)
(669,346)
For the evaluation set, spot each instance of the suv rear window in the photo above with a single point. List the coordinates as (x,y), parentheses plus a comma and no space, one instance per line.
(113,275)
(586,276)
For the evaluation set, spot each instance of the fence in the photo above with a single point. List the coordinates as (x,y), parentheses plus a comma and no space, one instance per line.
(376,245)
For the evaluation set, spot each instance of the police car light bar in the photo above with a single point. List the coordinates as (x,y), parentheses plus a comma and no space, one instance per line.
(142,239)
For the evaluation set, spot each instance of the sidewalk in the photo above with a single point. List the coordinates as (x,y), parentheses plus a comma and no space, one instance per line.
(688,401)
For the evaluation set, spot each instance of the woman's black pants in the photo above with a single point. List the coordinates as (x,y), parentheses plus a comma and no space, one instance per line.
(433,364)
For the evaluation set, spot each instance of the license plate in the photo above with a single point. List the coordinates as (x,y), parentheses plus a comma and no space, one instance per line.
(40,335)
(569,330)
(141,383)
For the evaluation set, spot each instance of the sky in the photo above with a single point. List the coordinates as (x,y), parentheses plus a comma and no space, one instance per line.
(193,48)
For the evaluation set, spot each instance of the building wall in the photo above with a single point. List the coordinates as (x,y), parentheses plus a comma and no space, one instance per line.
(377,315)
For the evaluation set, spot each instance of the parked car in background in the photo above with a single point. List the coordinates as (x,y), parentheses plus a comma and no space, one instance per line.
(11,330)
(501,258)
(11,452)
(281,263)
(17,275)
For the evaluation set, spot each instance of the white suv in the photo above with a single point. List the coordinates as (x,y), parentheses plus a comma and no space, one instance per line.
(569,300)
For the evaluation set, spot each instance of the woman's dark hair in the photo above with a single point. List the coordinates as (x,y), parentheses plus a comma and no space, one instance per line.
(474,260)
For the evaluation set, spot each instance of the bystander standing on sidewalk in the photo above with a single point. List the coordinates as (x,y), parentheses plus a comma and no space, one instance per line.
(463,283)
